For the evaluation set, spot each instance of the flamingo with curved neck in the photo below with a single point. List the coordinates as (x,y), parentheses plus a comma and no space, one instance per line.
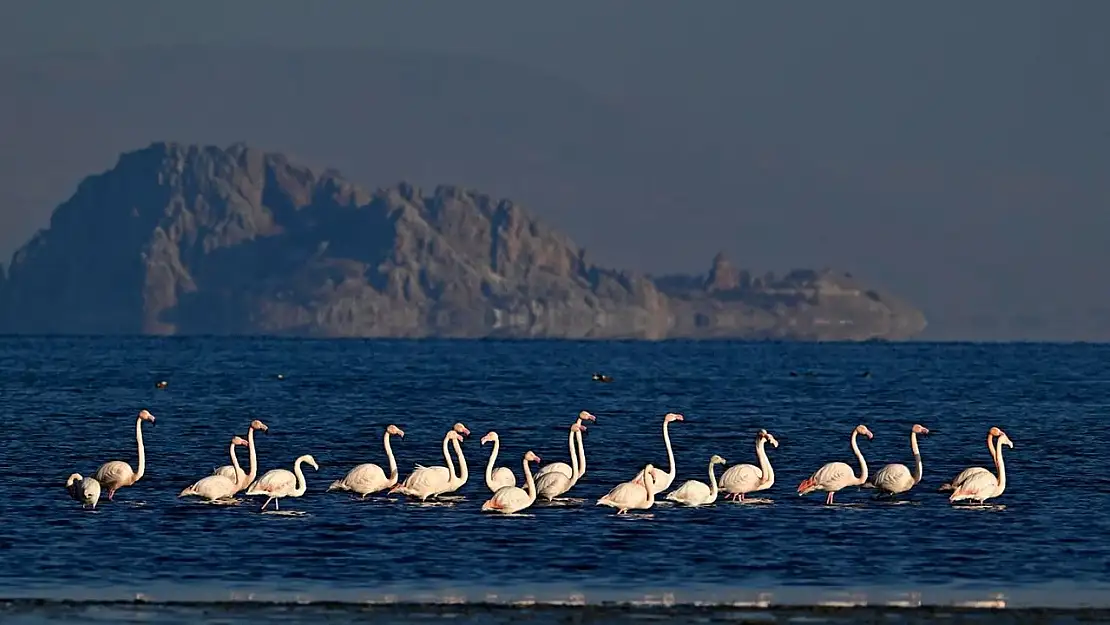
(501,476)
(694,493)
(894,479)
(277,483)
(117,474)
(368,478)
(554,483)
(563,467)
(511,499)
(426,482)
(632,495)
(215,487)
(970,471)
(836,475)
(742,479)
(235,472)
(663,480)
(983,486)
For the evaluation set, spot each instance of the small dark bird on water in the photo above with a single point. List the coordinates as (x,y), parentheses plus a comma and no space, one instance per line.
(162,384)
(600,377)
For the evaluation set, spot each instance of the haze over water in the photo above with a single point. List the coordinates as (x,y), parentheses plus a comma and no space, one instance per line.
(69,404)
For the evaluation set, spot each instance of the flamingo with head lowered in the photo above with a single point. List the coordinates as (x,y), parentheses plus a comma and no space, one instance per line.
(836,475)
(663,480)
(117,474)
(501,476)
(369,478)
(563,467)
(894,479)
(742,479)
(83,489)
(984,485)
(970,471)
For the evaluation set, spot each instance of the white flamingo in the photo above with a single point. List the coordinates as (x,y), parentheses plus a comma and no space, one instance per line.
(894,479)
(632,495)
(83,489)
(741,479)
(369,478)
(970,471)
(117,474)
(426,482)
(694,493)
(554,483)
(663,480)
(215,487)
(836,475)
(984,485)
(510,499)
(234,471)
(277,483)
(501,476)
(563,467)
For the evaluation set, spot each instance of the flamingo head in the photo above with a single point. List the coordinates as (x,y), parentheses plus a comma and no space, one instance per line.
(73,477)
(455,436)
(673,416)
(145,415)
(586,416)
(531,457)
(260,426)
(717,460)
(308,459)
(995,431)
(491,436)
(461,429)
(862,429)
(239,441)
(920,429)
(577,427)
(649,474)
(1005,440)
(767,436)
(394,430)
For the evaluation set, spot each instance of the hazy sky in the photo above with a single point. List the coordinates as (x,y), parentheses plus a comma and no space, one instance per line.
(978,132)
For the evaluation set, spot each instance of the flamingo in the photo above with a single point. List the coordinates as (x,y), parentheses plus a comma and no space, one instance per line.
(836,475)
(984,485)
(554,483)
(215,487)
(277,483)
(663,480)
(894,479)
(369,478)
(234,471)
(426,482)
(742,479)
(694,493)
(510,499)
(501,476)
(970,471)
(117,474)
(83,489)
(632,495)
(563,467)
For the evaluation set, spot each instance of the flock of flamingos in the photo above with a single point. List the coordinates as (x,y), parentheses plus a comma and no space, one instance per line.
(975,484)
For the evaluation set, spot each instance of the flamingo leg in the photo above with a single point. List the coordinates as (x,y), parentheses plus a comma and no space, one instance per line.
(277,504)
(829,498)
(268,500)
(740,497)
(111,493)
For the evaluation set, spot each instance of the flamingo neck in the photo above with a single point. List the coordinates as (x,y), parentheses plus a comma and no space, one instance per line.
(862,463)
(712,481)
(447,457)
(574,466)
(489,465)
(301,485)
(529,483)
(581,457)
(990,447)
(392,460)
(1001,466)
(764,464)
(916,457)
(234,460)
(463,473)
(670,452)
(142,452)
(253,460)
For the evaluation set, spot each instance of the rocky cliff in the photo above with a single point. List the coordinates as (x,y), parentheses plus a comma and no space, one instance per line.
(180,239)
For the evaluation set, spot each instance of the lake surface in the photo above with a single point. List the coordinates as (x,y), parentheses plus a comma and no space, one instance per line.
(69,404)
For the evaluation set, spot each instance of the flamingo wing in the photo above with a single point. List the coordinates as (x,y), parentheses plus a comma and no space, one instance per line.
(893,478)
(229,472)
(215,487)
(427,478)
(979,486)
(365,478)
(559,467)
(508,498)
(628,493)
(503,476)
(834,475)
(691,491)
(552,484)
(740,478)
(114,472)
(274,482)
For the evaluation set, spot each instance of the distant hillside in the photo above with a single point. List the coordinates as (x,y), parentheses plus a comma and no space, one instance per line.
(181,239)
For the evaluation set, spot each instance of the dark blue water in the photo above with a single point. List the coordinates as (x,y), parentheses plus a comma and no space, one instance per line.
(69,404)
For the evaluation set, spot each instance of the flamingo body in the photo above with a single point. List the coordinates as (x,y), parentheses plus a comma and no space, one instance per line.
(631,495)
(834,476)
(83,489)
(511,499)
(368,477)
(278,483)
(211,488)
(694,493)
(893,479)
(741,479)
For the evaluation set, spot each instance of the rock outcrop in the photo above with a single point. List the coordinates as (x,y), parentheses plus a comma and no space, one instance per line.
(180,239)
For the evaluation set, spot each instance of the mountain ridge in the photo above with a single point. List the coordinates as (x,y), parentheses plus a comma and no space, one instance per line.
(196,239)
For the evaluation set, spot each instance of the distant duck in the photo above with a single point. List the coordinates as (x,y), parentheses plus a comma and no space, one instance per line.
(600,377)
(280,376)
(162,384)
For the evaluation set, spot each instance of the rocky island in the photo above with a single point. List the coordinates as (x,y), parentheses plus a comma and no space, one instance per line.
(183,239)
